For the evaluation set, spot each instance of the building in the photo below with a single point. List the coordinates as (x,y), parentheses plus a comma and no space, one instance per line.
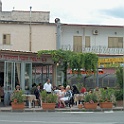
(23,33)
(107,41)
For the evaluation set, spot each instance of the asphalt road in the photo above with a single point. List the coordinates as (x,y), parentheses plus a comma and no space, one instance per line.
(62,117)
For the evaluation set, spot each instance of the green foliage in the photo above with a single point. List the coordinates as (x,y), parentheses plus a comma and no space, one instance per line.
(119,75)
(107,95)
(48,98)
(91,98)
(90,62)
(74,60)
(119,94)
(57,55)
(18,96)
(79,86)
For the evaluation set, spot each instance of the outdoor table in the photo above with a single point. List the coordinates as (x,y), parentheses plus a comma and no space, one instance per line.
(30,98)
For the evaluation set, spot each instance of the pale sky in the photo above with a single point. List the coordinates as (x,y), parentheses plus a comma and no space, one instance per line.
(101,12)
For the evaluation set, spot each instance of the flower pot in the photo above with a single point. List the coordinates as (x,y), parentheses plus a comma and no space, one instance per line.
(80,106)
(18,106)
(119,103)
(48,106)
(106,104)
(90,105)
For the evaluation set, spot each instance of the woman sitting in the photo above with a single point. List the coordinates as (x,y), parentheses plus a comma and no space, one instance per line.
(60,94)
(67,96)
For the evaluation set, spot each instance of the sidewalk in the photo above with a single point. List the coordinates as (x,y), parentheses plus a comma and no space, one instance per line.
(67,109)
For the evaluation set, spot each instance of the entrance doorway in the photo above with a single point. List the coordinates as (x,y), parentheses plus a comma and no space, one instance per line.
(16,73)
(40,72)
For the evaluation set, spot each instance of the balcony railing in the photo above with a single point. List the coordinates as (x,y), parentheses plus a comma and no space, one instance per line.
(95,49)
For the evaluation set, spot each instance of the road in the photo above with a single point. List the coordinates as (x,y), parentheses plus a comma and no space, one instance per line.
(62,117)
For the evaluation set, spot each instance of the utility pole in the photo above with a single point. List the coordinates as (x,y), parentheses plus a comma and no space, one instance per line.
(58,33)
(30,32)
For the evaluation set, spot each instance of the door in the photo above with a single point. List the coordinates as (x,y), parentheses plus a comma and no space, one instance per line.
(12,77)
(77,43)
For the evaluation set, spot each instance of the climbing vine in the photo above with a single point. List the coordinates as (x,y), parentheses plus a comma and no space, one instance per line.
(73,60)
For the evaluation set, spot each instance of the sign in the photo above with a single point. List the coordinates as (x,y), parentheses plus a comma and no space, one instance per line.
(23,58)
(110,62)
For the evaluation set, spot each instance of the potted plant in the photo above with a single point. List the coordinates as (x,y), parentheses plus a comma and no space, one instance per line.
(17,100)
(90,101)
(107,98)
(48,100)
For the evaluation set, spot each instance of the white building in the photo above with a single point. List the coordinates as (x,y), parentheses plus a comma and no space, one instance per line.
(101,39)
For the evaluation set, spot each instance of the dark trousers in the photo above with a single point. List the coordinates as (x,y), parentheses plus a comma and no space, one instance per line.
(48,92)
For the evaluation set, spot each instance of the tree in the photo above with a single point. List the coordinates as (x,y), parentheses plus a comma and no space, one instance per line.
(119,74)
(73,60)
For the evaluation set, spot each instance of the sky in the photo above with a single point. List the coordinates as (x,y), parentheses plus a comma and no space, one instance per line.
(100,12)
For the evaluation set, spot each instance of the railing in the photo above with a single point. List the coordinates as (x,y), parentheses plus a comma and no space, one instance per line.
(95,49)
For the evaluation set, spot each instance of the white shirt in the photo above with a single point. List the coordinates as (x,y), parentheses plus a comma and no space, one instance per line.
(47,87)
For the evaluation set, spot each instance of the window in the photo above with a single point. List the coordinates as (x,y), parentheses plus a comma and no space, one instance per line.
(77,43)
(6,39)
(87,41)
(115,42)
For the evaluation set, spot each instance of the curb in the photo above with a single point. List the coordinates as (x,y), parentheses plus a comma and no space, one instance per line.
(62,110)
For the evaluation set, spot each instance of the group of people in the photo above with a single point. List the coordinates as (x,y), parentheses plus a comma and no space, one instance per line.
(65,94)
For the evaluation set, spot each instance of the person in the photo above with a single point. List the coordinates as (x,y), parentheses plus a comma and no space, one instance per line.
(2,93)
(33,88)
(37,94)
(75,90)
(67,96)
(83,90)
(17,88)
(48,86)
(60,94)
(41,86)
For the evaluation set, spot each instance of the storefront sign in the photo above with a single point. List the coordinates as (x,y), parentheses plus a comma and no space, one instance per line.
(22,58)
(110,62)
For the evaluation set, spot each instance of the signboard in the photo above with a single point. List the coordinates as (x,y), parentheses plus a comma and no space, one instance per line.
(110,62)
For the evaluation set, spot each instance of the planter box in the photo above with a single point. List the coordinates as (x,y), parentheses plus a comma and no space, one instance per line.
(106,104)
(80,106)
(16,106)
(90,105)
(48,106)
(119,103)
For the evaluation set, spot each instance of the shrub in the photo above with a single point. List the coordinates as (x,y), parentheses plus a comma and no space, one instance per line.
(91,98)
(48,98)
(119,94)
(17,97)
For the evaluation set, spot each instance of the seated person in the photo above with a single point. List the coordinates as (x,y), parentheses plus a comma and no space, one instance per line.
(60,94)
(67,96)
(83,90)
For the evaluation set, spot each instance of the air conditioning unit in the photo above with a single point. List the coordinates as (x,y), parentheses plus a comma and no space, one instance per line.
(95,32)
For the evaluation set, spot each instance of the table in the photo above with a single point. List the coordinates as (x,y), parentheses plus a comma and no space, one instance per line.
(30,98)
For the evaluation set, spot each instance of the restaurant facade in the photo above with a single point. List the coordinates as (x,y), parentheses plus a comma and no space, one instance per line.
(24,68)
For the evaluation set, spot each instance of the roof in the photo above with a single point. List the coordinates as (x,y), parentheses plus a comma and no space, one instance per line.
(89,25)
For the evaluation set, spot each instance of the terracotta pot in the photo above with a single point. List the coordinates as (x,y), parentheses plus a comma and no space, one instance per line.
(18,106)
(80,106)
(48,106)
(90,105)
(119,103)
(106,104)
